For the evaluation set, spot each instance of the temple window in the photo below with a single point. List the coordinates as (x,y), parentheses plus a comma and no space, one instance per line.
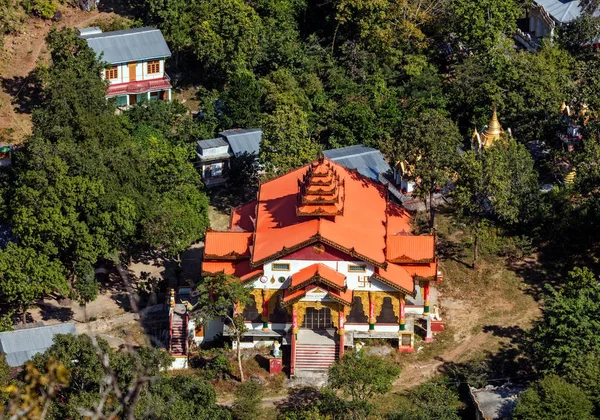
(355,268)
(280,267)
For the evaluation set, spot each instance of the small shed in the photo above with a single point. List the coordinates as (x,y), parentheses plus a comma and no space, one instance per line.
(21,345)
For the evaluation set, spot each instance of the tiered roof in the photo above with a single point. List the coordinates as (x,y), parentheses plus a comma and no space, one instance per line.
(322,202)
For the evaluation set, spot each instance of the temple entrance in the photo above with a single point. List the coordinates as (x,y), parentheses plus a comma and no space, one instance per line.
(318,319)
(316,346)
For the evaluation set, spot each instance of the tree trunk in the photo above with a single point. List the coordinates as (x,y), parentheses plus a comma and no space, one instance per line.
(239,356)
(475,251)
(85,318)
(431,215)
(24,316)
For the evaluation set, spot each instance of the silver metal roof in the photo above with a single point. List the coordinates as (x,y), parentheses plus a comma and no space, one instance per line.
(563,11)
(128,45)
(243,140)
(211,143)
(368,161)
(21,345)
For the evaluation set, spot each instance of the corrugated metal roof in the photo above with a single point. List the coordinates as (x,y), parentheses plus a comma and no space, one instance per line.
(369,162)
(129,45)
(211,143)
(21,345)
(563,11)
(243,140)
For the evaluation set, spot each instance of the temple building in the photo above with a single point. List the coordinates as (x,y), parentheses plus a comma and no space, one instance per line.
(332,262)
(488,135)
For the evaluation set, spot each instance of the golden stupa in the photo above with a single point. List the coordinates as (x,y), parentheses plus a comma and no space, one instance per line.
(492,132)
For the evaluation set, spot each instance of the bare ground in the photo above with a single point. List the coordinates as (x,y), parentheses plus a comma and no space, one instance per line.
(20,54)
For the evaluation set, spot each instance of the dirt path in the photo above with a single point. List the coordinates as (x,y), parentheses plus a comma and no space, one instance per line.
(480,323)
(19,56)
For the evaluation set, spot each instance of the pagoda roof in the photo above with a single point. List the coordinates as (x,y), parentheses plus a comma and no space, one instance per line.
(322,202)
(356,224)
(318,273)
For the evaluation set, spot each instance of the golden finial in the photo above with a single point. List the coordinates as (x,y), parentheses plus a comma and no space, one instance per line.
(494,128)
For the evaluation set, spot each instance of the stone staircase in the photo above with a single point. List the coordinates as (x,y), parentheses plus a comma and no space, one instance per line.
(178,334)
(315,357)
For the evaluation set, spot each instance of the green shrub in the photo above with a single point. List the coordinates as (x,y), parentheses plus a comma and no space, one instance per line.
(248,397)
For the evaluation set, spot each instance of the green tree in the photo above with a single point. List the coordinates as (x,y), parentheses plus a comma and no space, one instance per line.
(584,372)
(180,398)
(567,330)
(85,285)
(242,176)
(26,276)
(226,35)
(361,376)
(480,23)
(432,400)
(248,397)
(5,380)
(88,377)
(498,183)
(286,142)
(553,398)
(73,105)
(217,298)
(430,144)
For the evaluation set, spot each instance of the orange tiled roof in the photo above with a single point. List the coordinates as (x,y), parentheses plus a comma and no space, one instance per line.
(397,277)
(227,245)
(410,248)
(290,297)
(359,230)
(239,269)
(243,217)
(426,271)
(343,297)
(318,273)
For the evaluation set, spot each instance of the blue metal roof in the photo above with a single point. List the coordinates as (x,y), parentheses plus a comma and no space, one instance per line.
(243,140)
(129,45)
(21,345)
(368,161)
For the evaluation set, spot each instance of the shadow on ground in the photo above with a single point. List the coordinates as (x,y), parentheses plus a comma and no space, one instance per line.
(23,91)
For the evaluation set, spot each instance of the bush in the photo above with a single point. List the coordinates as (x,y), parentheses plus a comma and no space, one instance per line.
(309,403)
(217,368)
(248,397)
(553,398)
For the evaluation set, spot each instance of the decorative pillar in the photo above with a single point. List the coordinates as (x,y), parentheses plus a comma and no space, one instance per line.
(294,332)
(426,298)
(265,311)
(402,313)
(341,332)
(371,312)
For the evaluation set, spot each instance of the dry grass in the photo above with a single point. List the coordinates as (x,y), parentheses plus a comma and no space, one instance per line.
(482,307)
(218,219)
